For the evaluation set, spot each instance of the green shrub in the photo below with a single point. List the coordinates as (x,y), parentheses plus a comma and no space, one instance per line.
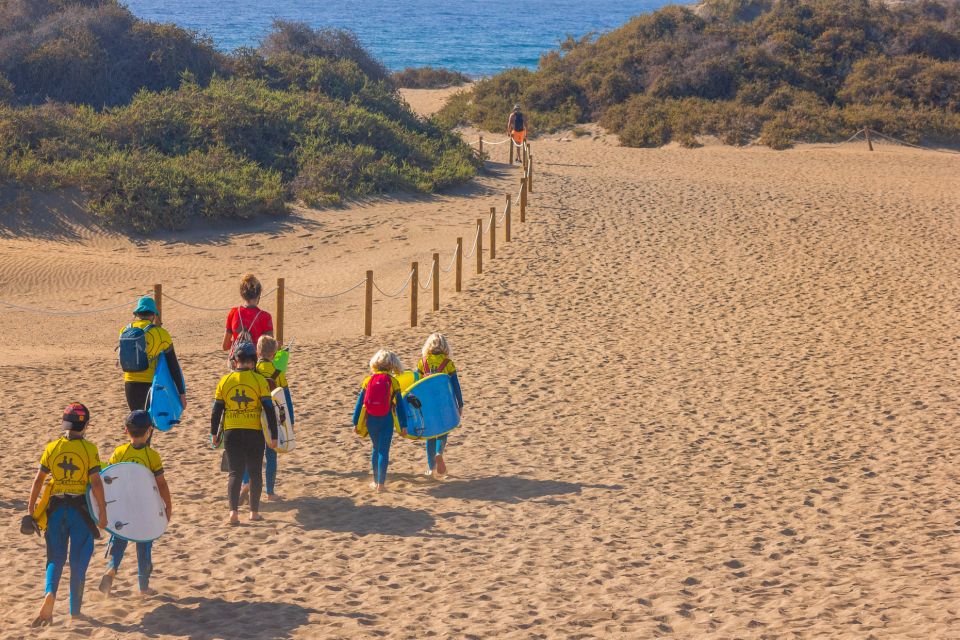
(786,71)
(428,78)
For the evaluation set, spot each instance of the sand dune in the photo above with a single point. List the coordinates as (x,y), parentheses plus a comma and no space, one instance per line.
(710,393)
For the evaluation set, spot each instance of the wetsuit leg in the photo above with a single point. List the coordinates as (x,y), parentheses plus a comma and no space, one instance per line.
(441,445)
(144,564)
(233,445)
(380,435)
(136,393)
(118,547)
(253,452)
(270,470)
(57,537)
(81,550)
(431,453)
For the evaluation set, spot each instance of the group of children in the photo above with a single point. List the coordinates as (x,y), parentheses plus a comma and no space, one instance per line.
(381,388)
(71,464)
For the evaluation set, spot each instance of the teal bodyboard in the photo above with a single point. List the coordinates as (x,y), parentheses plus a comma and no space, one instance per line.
(437,414)
(164,400)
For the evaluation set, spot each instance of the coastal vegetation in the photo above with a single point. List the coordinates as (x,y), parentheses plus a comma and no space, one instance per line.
(157,128)
(429,78)
(773,71)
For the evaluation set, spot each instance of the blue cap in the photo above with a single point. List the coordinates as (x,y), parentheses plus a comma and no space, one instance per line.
(146,304)
(139,419)
(245,351)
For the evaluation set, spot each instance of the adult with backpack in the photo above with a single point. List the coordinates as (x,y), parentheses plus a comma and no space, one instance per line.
(247,322)
(142,343)
(376,412)
(517,130)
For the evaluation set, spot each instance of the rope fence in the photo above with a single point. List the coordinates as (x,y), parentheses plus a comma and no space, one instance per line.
(412,281)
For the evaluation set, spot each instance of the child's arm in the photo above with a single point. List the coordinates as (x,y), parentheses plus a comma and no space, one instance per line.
(356,409)
(164,489)
(101,501)
(401,415)
(35,489)
(455,381)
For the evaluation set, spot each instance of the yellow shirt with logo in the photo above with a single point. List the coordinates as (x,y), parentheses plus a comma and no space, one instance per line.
(434,361)
(70,463)
(266,369)
(144,455)
(240,392)
(158,341)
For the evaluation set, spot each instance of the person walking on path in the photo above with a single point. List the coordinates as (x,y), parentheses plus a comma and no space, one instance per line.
(517,130)
(247,322)
(142,343)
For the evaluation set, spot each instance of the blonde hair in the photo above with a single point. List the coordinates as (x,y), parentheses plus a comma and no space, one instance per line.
(250,287)
(267,347)
(436,345)
(386,361)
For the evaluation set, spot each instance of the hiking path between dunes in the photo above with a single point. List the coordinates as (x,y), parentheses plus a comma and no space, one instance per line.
(709,393)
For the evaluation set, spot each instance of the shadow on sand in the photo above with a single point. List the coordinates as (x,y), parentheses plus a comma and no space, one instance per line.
(213,618)
(510,489)
(342,515)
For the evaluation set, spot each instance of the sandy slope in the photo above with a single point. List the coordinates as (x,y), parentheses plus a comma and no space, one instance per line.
(711,393)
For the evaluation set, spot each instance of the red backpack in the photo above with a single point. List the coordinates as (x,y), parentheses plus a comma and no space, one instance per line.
(379,397)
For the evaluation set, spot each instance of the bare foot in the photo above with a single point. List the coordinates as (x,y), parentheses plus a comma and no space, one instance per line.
(80,618)
(441,466)
(244,493)
(380,488)
(146,593)
(234,519)
(106,582)
(374,485)
(45,616)
(255,517)
(273,497)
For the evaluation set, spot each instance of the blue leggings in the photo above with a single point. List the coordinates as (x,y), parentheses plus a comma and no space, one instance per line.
(435,447)
(67,528)
(381,434)
(118,547)
(270,470)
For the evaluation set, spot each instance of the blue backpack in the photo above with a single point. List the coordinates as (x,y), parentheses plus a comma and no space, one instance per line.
(133,349)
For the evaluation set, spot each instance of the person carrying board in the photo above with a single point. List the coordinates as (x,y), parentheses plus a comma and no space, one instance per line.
(240,397)
(138,428)
(70,465)
(142,342)
(435,360)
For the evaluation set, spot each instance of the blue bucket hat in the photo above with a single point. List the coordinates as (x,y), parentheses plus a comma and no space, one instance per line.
(146,304)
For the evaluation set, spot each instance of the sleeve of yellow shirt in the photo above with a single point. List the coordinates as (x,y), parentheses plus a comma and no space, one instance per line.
(156,465)
(117,455)
(45,457)
(95,463)
(218,394)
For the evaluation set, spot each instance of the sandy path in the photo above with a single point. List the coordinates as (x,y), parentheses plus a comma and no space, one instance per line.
(711,393)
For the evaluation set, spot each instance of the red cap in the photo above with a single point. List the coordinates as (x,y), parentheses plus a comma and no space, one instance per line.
(76,417)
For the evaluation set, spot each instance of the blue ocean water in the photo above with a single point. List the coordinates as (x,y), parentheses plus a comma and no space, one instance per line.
(477,37)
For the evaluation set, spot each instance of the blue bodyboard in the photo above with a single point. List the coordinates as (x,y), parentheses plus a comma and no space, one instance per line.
(437,414)
(164,400)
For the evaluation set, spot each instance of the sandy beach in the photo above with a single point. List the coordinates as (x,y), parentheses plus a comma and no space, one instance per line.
(709,393)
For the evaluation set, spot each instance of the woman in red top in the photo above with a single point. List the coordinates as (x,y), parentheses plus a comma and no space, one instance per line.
(247,319)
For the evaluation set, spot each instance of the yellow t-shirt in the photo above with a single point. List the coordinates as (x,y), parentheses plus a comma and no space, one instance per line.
(158,341)
(70,462)
(266,369)
(240,392)
(434,361)
(144,455)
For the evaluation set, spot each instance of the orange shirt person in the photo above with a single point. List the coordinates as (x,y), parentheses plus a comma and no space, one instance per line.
(517,128)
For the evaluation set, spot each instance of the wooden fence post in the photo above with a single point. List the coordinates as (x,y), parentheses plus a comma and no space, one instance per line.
(479,246)
(459,264)
(368,307)
(158,298)
(523,199)
(866,132)
(493,232)
(530,173)
(507,217)
(436,282)
(281,290)
(481,147)
(526,157)
(414,286)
